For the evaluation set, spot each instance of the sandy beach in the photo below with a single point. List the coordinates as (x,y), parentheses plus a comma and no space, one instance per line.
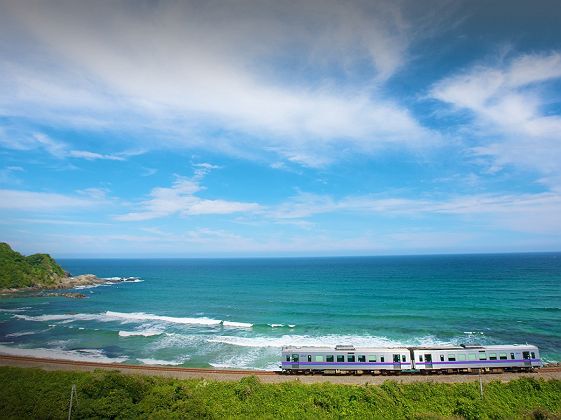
(552,372)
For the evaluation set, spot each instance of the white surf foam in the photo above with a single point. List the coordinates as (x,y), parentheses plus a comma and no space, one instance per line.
(163,362)
(237,324)
(21,334)
(141,316)
(143,333)
(281,325)
(64,318)
(252,359)
(12,310)
(328,340)
(90,286)
(88,355)
(133,317)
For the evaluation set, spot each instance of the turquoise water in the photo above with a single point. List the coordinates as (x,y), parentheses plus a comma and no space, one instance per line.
(239,312)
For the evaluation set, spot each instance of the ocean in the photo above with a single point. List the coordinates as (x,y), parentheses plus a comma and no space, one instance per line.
(237,313)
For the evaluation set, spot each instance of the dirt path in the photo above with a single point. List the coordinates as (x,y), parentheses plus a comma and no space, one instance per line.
(269,377)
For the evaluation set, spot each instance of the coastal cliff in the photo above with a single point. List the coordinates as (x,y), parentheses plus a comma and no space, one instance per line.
(39,271)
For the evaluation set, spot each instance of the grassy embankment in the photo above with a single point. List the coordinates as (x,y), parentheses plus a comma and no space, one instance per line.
(34,393)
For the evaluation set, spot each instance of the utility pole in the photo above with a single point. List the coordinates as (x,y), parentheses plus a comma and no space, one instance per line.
(480,384)
(73,394)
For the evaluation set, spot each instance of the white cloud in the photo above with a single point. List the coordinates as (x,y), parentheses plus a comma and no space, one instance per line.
(59,149)
(180,199)
(535,213)
(84,154)
(202,169)
(216,65)
(7,175)
(31,201)
(508,102)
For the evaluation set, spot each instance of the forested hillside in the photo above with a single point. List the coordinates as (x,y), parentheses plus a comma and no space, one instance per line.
(17,270)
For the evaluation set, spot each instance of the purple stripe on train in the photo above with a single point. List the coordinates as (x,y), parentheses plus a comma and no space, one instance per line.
(461,362)
(409,363)
(345,363)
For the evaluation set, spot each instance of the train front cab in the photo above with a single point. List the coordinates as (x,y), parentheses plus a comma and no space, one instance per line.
(466,359)
(348,360)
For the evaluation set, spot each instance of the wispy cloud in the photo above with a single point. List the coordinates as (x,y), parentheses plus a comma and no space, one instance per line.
(509,102)
(537,213)
(32,201)
(59,149)
(202,72)
(181,199)
(8,175)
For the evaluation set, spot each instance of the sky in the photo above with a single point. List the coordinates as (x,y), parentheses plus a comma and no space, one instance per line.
(265,128)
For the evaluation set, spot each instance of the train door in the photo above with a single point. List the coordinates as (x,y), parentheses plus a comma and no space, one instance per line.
(526,357)
(396,362)
(428,361)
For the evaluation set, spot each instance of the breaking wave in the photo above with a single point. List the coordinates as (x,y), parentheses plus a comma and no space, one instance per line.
(163,362)
(143,333)
(327,340)
(134,317)
(80,355)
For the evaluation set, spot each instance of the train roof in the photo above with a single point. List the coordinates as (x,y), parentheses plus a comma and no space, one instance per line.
(347,348)
(464,347)
(477,347)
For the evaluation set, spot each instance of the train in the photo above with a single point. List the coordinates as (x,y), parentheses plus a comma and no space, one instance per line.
(348,359)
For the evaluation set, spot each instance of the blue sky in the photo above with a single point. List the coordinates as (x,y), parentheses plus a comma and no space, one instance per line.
(152,129)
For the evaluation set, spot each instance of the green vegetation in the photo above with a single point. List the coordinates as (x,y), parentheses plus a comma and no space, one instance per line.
(34,393)
(17,270)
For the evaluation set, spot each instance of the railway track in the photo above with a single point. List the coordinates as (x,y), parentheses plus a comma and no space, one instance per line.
(132,367)
(173,369)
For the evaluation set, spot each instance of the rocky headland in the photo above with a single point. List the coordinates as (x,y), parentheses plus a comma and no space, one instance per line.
(39,273)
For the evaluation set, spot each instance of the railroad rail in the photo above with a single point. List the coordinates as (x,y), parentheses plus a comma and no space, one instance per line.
(176,369)
(133,367)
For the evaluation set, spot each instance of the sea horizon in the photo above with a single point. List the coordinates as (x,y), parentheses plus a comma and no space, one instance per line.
(314,256)
(239,312)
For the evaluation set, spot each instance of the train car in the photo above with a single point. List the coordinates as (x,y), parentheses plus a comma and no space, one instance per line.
(345,359)
(466,358)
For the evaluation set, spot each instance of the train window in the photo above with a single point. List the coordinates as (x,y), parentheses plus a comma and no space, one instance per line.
(461,357)
(396,358)
(512,356)
(329,358)
(472,356)
(420,357)
(533,355)
(382,359)
(451,357)
(492,356)
(442,358)
(403,358)
(525,354)
(482,355)
(319,358)
(288,357)
(295,358)
(372,358)
(340,358)
(502,356)
(362,358)
(309,357)
(351,358)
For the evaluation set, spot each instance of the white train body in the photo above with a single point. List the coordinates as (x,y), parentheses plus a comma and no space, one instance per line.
(350,359)
(345,359)
(477,357)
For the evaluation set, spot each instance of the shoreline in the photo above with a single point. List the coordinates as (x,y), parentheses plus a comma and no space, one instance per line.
(70,282)
(547,372)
